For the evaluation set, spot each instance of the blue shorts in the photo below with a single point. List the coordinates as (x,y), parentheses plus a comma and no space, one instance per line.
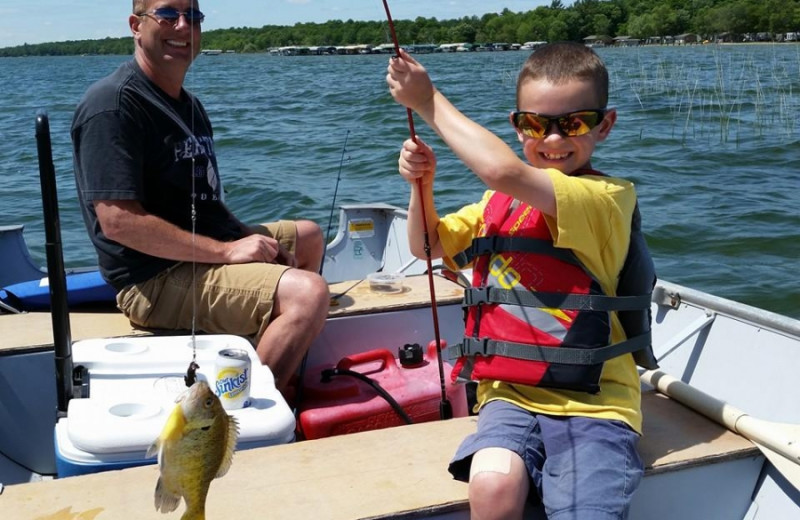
(579,467)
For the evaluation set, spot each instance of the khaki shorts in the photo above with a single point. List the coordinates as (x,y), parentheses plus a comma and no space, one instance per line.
(223,299)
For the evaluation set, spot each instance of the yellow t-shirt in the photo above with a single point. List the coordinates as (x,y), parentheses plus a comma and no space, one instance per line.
(594,220)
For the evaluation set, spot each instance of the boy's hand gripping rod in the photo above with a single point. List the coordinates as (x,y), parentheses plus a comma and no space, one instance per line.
(445,409)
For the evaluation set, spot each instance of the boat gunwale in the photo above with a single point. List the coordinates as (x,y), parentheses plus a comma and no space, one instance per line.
(672,295)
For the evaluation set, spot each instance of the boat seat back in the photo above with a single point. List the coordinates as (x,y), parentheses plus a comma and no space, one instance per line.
(18,266)
(369,238)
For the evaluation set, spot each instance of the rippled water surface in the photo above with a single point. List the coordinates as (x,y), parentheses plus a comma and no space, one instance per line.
(709,134)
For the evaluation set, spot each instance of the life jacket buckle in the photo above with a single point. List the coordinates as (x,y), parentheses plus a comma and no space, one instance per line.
(475,296)
(484,245)
(476,347)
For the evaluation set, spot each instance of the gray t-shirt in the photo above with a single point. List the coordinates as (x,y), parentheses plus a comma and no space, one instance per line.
(132,141)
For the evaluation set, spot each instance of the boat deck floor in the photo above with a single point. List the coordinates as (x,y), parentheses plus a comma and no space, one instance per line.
(378,474)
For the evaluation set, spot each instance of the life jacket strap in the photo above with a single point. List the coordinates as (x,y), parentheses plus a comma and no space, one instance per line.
(559,355)
(569,301)
(495,244)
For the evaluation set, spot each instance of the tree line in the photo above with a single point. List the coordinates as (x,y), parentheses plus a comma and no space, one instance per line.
(635,18)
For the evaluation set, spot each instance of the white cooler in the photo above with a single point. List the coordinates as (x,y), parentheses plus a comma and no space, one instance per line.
(133,386)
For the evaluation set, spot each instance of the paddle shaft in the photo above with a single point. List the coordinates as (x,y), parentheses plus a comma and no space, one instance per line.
(445,408)
(774,436)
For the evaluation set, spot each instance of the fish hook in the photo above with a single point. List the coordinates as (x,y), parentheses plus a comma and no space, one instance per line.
(191,374)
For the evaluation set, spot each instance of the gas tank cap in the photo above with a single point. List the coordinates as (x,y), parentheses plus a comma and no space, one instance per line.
(410,355)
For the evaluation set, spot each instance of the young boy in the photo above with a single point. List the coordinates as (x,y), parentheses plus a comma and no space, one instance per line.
(546,236)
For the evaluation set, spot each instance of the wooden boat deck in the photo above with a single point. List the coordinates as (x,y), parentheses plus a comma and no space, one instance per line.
(34,330)
(379,474)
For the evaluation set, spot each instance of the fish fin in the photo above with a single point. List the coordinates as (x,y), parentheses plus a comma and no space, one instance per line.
(175,425)
(165,501)
(154,448)
(173,429)
(230,446)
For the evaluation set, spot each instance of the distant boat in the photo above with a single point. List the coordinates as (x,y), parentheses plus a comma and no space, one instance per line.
(530,46)
(211,52)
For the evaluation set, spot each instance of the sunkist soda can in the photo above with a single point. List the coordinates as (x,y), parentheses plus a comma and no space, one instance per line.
(232,381)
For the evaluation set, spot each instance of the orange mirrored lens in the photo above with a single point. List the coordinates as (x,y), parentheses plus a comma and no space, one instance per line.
(532,125)
(573,124)
(578,123)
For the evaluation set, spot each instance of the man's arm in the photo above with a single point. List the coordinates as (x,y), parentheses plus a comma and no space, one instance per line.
(126,222)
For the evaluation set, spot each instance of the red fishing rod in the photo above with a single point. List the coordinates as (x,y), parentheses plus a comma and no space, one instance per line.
(445,409)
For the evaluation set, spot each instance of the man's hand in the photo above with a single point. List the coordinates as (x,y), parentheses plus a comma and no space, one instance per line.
(258,248)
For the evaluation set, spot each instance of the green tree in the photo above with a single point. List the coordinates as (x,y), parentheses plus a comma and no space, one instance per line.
(637,18)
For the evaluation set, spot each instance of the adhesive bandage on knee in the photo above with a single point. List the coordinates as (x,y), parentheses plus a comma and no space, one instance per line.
(491,460)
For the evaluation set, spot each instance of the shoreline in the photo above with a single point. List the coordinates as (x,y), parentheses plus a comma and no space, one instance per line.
(275,51)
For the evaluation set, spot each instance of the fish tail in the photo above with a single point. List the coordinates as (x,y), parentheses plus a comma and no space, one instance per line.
(165,501)
(195,499)
(195,513)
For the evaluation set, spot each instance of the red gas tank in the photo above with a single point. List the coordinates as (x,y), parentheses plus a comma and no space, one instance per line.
(339,404)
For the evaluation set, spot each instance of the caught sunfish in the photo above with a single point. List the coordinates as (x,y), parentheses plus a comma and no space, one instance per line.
(195,446)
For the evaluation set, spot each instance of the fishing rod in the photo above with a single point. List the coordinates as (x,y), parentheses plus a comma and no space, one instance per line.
(333,202)
(445,408)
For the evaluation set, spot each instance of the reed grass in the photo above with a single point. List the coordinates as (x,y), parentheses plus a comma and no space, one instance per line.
(718,94)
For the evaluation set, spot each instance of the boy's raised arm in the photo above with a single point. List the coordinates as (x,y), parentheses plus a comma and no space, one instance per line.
(417,165)
(488,156)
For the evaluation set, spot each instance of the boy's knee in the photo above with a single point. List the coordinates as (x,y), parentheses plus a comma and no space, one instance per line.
(496,495)
(498,484)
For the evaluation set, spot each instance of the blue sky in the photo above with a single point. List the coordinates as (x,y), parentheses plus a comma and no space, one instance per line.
(37,21)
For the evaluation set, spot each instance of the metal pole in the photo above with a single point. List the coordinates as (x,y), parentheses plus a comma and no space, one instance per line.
(57,282)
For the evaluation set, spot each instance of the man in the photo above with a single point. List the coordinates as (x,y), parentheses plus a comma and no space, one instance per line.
(152,201)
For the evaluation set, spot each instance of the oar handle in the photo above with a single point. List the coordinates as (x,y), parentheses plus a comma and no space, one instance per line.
(766,433)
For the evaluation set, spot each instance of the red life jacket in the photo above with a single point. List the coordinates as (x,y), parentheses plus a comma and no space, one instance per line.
(535,315)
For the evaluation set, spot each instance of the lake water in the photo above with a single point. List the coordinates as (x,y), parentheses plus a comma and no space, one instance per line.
(709,134)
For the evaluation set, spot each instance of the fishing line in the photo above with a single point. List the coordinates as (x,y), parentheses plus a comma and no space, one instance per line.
(445,409)
(191,377)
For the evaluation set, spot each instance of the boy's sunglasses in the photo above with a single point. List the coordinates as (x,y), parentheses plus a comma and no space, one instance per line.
(572,124)
(170,15)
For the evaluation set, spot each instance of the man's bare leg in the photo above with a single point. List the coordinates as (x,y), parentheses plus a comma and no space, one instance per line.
(298,316)
(310,246)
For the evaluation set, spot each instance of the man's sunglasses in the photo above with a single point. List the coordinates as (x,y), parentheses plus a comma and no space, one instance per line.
(170,15)
(572,124)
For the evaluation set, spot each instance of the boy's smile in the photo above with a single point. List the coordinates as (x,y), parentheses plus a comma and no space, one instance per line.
(554,150)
